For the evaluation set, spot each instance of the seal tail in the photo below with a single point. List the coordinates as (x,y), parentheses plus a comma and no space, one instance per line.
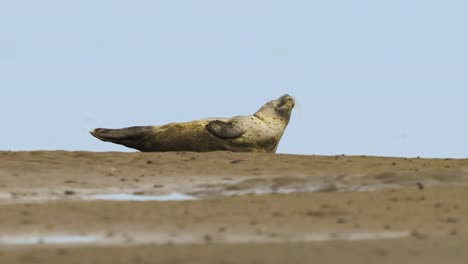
(128,136)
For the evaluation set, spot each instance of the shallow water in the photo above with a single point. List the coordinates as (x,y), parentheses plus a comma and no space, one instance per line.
(134,197)
(164,238)
(254,186)
(47,239)
(41,196)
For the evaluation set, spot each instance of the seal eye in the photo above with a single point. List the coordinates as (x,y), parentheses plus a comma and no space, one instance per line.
(282,111)
(282,103)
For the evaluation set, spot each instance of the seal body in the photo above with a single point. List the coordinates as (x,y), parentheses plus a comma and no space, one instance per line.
(260,132)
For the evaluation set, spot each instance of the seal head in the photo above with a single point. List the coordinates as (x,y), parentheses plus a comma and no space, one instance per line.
(277,112)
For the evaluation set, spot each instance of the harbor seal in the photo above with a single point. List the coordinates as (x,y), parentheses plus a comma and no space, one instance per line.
(260,132)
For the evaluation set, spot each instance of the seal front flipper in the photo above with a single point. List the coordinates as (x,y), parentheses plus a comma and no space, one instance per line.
(225,130)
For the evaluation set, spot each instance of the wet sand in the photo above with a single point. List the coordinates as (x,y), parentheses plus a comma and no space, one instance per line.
(248,208)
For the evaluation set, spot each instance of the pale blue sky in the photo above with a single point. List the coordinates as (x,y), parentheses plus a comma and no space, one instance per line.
(371,77)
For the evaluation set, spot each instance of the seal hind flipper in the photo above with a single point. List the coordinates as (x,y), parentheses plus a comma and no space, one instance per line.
(225,130)
(128,133)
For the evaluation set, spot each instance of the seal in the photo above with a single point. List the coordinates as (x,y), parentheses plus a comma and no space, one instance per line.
(260,132)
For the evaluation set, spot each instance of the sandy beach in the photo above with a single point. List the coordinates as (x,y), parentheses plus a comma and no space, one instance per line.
(222,207)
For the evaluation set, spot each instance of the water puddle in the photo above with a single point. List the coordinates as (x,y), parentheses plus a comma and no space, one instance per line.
(5,196)
(47,239)
(137,197)
(356,236)
(209,189)
(165,238)
(41,196)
